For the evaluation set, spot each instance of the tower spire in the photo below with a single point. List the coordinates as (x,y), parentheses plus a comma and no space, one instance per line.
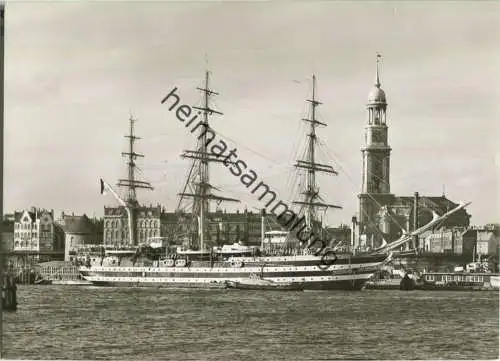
(377,78)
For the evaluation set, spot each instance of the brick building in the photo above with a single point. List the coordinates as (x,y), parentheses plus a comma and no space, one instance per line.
(147,225)
(220,227)
(79,231)
(481,241)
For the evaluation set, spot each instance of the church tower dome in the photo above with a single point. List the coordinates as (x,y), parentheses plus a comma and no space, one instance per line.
(376,96)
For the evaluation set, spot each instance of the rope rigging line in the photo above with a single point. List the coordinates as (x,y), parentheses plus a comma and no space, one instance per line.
(293,178)
(186,184)
(297,146)
(244,147)
(339,164)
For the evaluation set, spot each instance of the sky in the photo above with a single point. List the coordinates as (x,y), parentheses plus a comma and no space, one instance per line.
(76,71)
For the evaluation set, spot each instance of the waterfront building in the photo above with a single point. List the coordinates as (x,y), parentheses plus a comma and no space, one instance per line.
(78,231)
(383,215)
(147,225)
(242,227)
(221,227)
(444,241)
(481,241)
(36,231)
(153,222)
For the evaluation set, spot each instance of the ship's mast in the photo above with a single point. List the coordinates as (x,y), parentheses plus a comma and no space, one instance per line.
(312,199)
(131,183)
(199,177)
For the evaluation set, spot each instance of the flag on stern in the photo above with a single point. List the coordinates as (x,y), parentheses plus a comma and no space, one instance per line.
(105,188)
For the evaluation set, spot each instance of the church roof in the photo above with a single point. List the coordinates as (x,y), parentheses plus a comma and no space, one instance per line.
(438,204)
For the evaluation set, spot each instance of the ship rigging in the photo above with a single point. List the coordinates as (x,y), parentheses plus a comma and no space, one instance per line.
(131,184)
(311,197)
(197,186)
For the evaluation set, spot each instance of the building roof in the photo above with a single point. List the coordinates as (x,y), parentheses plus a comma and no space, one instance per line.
(439,204)
(143,210)
(19,215)
(77,224)
(33,213)
(427,204)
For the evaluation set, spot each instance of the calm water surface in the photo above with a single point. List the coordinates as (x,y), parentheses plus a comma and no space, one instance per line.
(57,322)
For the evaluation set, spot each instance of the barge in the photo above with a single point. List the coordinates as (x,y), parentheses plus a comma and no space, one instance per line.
(460,281)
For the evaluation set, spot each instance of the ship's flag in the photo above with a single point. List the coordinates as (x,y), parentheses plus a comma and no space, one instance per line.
(104,187)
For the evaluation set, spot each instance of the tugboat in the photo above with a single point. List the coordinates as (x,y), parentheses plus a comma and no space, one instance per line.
(407,283)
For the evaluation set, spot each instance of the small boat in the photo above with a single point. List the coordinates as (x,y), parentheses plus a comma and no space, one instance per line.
(42,281)
(71,282)
(254,283)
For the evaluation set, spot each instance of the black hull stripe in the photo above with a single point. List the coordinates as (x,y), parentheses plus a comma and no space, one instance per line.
(354,285)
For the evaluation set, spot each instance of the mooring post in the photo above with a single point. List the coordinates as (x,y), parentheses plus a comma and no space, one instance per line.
(415,220)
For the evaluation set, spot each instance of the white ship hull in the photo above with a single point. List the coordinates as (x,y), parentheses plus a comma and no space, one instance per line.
(344,276)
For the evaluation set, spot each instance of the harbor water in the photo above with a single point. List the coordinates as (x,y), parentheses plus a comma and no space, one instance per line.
(61,322)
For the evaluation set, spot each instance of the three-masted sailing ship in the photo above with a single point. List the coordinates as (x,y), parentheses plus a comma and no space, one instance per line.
(200,266)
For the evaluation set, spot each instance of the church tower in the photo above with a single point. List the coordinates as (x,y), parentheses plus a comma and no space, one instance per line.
(375,192)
